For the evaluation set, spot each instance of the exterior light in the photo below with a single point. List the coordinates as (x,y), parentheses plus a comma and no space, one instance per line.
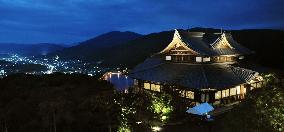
(156,128)
(138,122)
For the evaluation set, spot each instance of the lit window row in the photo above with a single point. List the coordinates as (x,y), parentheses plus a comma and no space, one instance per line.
(154,87)
(230,92)
(197,59)
(186,94)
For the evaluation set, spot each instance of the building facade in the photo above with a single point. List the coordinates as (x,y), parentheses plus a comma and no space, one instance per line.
(198,66)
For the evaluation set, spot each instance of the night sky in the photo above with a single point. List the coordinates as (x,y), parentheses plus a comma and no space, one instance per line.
(70,21)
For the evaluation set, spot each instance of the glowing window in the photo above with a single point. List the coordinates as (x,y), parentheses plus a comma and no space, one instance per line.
(218,95)
(190,94)
(233,91)
(168,58)
(224,93)
(238,90)
(182,93)
(206,59)
(198,59)
(147,85)
(152,86)
(155,87)
(158,86)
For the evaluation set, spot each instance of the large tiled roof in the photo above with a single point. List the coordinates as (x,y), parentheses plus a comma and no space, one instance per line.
(205,44)
(195,76)
(236,45)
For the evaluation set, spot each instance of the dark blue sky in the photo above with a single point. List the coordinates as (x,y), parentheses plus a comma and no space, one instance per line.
(69,21)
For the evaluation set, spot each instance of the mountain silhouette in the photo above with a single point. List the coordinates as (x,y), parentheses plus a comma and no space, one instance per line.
(95,45)
(128,48)
(29,49)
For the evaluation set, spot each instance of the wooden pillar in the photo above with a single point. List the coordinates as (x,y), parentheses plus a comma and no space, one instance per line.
(212,96)
(230,94)
(197,96)
(221,99)
(237,96)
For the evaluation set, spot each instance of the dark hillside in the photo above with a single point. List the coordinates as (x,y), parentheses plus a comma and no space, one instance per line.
(97,45)
(129,49)
(136,51)
(267,44)
(56,102)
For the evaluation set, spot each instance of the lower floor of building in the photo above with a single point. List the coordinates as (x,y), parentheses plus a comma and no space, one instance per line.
(213,96)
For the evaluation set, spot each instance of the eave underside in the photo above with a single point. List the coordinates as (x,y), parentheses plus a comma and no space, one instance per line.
(196,76)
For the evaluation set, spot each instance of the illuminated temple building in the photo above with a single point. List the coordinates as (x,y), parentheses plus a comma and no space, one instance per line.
(199,67)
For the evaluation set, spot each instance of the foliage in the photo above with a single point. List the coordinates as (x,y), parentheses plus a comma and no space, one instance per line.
(270,107)
(124,122)
(262,110)
(161,106)
(141,111)
(268,78)
(56,102)
(124,125)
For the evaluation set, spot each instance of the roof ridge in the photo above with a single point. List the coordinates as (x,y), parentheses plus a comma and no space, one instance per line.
(222,37)
(237,67)
(253,73)
(213,45)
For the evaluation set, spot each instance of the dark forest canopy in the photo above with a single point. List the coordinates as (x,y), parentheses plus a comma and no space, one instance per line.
(75,103)
(30,103)
(59,102)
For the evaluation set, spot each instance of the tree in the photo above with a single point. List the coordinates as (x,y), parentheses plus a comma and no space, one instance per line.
(142,111)
(270,107)
(262,110)
(56,102)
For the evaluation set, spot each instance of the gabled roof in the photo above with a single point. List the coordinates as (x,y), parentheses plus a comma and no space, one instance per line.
(221,40)
(177,40)
(195,76)
(207,44)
